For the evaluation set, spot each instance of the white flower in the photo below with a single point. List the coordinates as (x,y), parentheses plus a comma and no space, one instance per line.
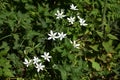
(27,63)
(52,35)
(46,56)
(75,44)
(71,20)
(61,35)
(82,21)
(59,14)
(72,7)
(39,67)
(36,60)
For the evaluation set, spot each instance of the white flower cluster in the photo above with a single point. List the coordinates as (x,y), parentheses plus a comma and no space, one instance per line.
(54,36)
(59,15)
(71,20)
(37,62)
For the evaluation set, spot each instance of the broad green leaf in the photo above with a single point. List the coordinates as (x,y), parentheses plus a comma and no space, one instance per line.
(112,37)
(107,29)
(94,47)
(118,47)
(96,65)
(108,46)
(99,19)
(100,34)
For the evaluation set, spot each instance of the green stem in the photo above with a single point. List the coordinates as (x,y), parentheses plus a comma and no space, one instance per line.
(5,37)
(38,76)
(104,16)
(104,11)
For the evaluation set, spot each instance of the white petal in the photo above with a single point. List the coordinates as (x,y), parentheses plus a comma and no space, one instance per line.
(51,32)
(47,54)
(26,60)
(77,45)
(49,38)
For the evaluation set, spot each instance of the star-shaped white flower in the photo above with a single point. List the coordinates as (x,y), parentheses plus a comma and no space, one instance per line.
(71,20)
(36,60)
(75,44)
(46,56)
(82,21)
(52,35)
(27,62)
(59,14)
(61,35)
(72,7)
(39,67)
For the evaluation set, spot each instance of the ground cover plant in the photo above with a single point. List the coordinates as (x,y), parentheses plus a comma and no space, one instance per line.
(59,39)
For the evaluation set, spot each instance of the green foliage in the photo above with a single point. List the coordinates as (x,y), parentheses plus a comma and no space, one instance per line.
(24,29)
(95,65)
(4,63)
